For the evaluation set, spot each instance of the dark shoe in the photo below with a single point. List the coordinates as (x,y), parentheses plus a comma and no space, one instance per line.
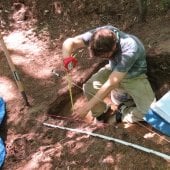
(104,116)
(115,118)
(118,116)
(119,111)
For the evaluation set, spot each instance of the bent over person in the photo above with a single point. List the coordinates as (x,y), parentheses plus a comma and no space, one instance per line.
(123,77)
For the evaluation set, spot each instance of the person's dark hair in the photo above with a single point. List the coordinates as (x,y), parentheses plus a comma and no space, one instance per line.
(102,42)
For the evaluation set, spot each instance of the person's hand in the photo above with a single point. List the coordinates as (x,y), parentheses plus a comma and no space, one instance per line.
(81,112)
(70,63)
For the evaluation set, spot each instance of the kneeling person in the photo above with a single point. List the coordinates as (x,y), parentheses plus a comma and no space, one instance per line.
(126,71)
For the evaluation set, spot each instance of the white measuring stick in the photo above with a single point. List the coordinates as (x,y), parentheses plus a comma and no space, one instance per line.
(162,155)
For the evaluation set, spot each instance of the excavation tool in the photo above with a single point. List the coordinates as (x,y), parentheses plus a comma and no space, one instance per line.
(13,69)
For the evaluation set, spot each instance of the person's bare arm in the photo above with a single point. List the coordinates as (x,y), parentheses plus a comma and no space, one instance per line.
(112,82)
(72,44)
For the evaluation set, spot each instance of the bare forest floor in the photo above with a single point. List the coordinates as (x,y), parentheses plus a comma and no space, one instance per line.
(34,32)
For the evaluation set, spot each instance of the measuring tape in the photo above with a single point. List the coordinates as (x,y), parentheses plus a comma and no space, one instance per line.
(69,64)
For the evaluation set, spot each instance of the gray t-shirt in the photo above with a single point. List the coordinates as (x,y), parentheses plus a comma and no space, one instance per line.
(130,58)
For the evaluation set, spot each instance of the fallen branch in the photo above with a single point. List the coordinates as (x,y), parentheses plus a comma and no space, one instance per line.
(162,155)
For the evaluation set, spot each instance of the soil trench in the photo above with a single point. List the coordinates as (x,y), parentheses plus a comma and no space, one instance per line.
(158,75)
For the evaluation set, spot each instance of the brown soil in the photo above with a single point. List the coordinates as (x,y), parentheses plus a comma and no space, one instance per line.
(34,32)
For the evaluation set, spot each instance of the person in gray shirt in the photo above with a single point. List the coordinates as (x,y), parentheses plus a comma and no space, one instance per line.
(124,77)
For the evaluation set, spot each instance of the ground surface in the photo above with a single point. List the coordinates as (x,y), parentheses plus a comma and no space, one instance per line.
(34,32)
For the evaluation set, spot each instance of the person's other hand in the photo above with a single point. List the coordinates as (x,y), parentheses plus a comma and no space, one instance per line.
(81,112)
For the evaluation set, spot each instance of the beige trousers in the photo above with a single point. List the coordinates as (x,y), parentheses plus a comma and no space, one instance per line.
(138,88)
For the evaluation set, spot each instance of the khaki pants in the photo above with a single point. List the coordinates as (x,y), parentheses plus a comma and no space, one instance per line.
(138,88)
